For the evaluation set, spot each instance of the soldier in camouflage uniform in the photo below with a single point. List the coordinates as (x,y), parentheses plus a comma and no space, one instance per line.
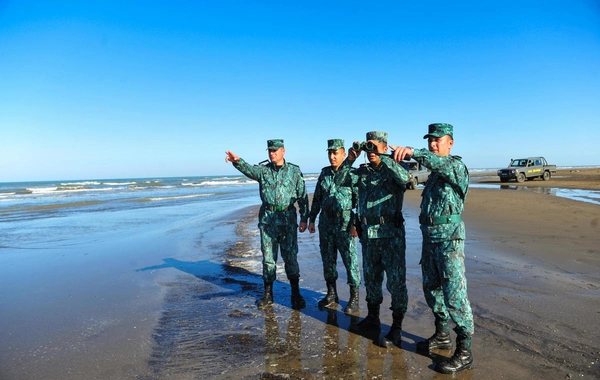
(442,260)
(334,198)
(381,186)
(281,185)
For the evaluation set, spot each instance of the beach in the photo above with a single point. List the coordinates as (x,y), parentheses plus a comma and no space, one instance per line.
(168,293)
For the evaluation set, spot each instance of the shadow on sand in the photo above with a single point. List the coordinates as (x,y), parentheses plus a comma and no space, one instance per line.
(210,327)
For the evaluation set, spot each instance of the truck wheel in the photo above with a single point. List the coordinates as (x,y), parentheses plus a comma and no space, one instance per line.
(413,184)
(546,176)
(521,177)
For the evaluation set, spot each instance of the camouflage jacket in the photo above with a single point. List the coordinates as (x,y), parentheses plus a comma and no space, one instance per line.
(279,190)
(380,197)
(335,197)
(444,194)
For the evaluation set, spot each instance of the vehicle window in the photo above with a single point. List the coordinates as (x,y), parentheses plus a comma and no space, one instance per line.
(538,162)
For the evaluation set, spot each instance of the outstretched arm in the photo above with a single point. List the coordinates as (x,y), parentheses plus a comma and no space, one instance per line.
(250,171)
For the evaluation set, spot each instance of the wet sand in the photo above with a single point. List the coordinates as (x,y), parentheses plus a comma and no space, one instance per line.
(533,265)
(533,268)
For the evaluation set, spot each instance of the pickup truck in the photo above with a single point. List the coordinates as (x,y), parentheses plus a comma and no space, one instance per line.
(418,173)
(529,168)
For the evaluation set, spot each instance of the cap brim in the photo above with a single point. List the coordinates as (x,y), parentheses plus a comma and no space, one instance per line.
(434,135)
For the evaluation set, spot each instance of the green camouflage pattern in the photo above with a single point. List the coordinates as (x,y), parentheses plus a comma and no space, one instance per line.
(282,188)
(386,255)
(334,198)
(444,194)
(381,194)
(335,144)
(445,284)
(274,144)
(442,257)
(439,130)
(377,136)
(283,237)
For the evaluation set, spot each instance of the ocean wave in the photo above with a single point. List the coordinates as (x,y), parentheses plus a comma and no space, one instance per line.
(68,189)
(220,183)
(82,183)
(119,183)
(169,198)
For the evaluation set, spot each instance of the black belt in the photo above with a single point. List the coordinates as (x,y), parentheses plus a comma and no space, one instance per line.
(335,214)
(442,219)
(374,220)
(276,208)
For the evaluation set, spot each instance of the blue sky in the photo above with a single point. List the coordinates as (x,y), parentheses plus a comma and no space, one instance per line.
(116,89)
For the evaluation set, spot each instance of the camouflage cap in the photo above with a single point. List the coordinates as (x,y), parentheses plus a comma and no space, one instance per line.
(377,136)
(439,130)
(274,144)
(335,144)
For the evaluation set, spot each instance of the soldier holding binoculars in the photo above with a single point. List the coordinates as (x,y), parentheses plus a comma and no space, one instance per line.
(381,184)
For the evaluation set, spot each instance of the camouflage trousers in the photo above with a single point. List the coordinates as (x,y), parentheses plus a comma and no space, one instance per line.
(385,255)
(331,241)
(274,237)
(445,284)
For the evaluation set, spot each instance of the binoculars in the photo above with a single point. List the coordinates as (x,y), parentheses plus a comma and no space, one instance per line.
(367,146)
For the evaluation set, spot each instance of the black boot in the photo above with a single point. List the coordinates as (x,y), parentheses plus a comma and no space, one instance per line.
(267,298)
(370,323)
(331,296)
(394,336)
(352,306)
(461,360)
(439,341)
(298,302)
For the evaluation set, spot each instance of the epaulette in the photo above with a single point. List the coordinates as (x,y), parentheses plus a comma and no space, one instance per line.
(457,157)
(265,162)
(289,163)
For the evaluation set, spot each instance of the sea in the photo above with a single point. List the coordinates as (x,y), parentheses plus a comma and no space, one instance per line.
(29,206)
(95,207)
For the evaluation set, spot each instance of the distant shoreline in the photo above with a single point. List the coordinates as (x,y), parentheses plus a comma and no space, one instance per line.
(474,172)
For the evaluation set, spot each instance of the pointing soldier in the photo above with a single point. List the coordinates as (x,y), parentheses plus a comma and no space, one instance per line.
(442,258)
(381,186)
(281,185)
(334,198)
